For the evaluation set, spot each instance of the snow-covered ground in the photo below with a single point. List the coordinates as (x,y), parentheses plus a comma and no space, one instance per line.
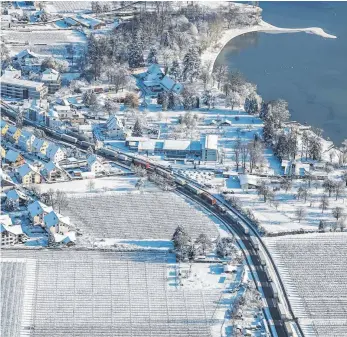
(314,271)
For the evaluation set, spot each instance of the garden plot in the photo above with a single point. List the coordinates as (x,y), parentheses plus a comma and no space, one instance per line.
(136,216)
(98,295)
(318,297)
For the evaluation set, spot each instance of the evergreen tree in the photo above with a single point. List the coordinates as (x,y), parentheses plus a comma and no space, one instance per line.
(138,129)
(175,70)
(173,101)
(251,105)
(135,55)
(152,57)
(191,65)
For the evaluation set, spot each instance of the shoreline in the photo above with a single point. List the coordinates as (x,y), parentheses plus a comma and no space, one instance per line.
(210,55)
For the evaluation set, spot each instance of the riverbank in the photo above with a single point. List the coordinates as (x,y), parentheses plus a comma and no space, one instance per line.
(210,55)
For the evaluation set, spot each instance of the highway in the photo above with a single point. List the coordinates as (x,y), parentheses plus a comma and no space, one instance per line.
(253,257)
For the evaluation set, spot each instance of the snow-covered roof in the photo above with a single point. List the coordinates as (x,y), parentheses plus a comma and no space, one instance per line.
(12,130)
(178,87)
(5,219)
(24,170)
(38,207)
(211,142)
(15,194)
(92,159)
(176,144)
(248,179)
(65,238)
(12,156)
(50,166)
(148,145)
(61,108)
(50,75)
(114,122)
(167,82)
(137,139)
(15,229)
(19,82)
(37,144)
(51,219)
(52,150)
(25,53)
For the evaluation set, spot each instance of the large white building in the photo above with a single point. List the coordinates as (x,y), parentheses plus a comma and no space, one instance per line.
(23,89)
(210,148)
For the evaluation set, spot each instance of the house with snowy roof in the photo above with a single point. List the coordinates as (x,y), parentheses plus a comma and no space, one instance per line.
(14,158)
(115,128)
(10,71)
(13,133)
(10,234)
(2,152)
(52,79)
(4,128)
(94,164)
(26,175)
(40,147)
(6,180)
(28,60)
(154,81)
(66,238)
(37,211)
(26,140)
(54,153)
(56,223)
(17,196)
(50,170)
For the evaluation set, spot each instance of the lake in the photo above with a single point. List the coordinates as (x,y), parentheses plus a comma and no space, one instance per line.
(308,71)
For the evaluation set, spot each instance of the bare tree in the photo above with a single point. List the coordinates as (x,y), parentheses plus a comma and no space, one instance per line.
(90,185)
(339,189)
(203,242)
(300,213)
(286,184)
(244,155)
(324,202)
(329,186)
(263,189)
(237,150)
(61,200)
(338,213)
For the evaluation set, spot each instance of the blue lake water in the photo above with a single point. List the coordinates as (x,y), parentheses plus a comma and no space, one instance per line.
(308,71)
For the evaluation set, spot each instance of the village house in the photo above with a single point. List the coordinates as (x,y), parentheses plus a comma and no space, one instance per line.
(94,164)
(36,110)
(26,140)
(52,79)
(50,171)
(248,181)
(14,158)
(37,211)
(12,72)
(26,175)
(115,128)
(13,133)
(54,153)
(4,128)
(28,60)
(2,152)
(10,234)
(56,223)
(153,81)
(18,197)
(85,21)
(40,147)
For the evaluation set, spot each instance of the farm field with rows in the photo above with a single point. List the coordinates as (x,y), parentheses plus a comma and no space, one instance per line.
(318,297)
(136,216)
(90,293)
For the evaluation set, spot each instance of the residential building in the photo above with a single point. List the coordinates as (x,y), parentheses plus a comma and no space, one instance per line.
(11,235)
(56,223)
(28,60)
(37,211)
(55,153)
(210,148)
(50,171)
(23,89)
(13,133)
(52,79)
(115,128)
(12,72)
(40,147)
(14,158)
(26,175)
(4,128)
(94,164)
(17,196)
(26,140)
(3,152)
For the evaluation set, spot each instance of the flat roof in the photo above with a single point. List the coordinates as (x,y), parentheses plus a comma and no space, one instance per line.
(211,142)
(23,83)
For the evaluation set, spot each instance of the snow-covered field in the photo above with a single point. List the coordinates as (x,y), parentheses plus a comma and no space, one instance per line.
(136,216)
(112,183)
(314,270)
(89,293)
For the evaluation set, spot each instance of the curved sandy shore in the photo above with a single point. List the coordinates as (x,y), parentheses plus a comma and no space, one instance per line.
(210,55)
